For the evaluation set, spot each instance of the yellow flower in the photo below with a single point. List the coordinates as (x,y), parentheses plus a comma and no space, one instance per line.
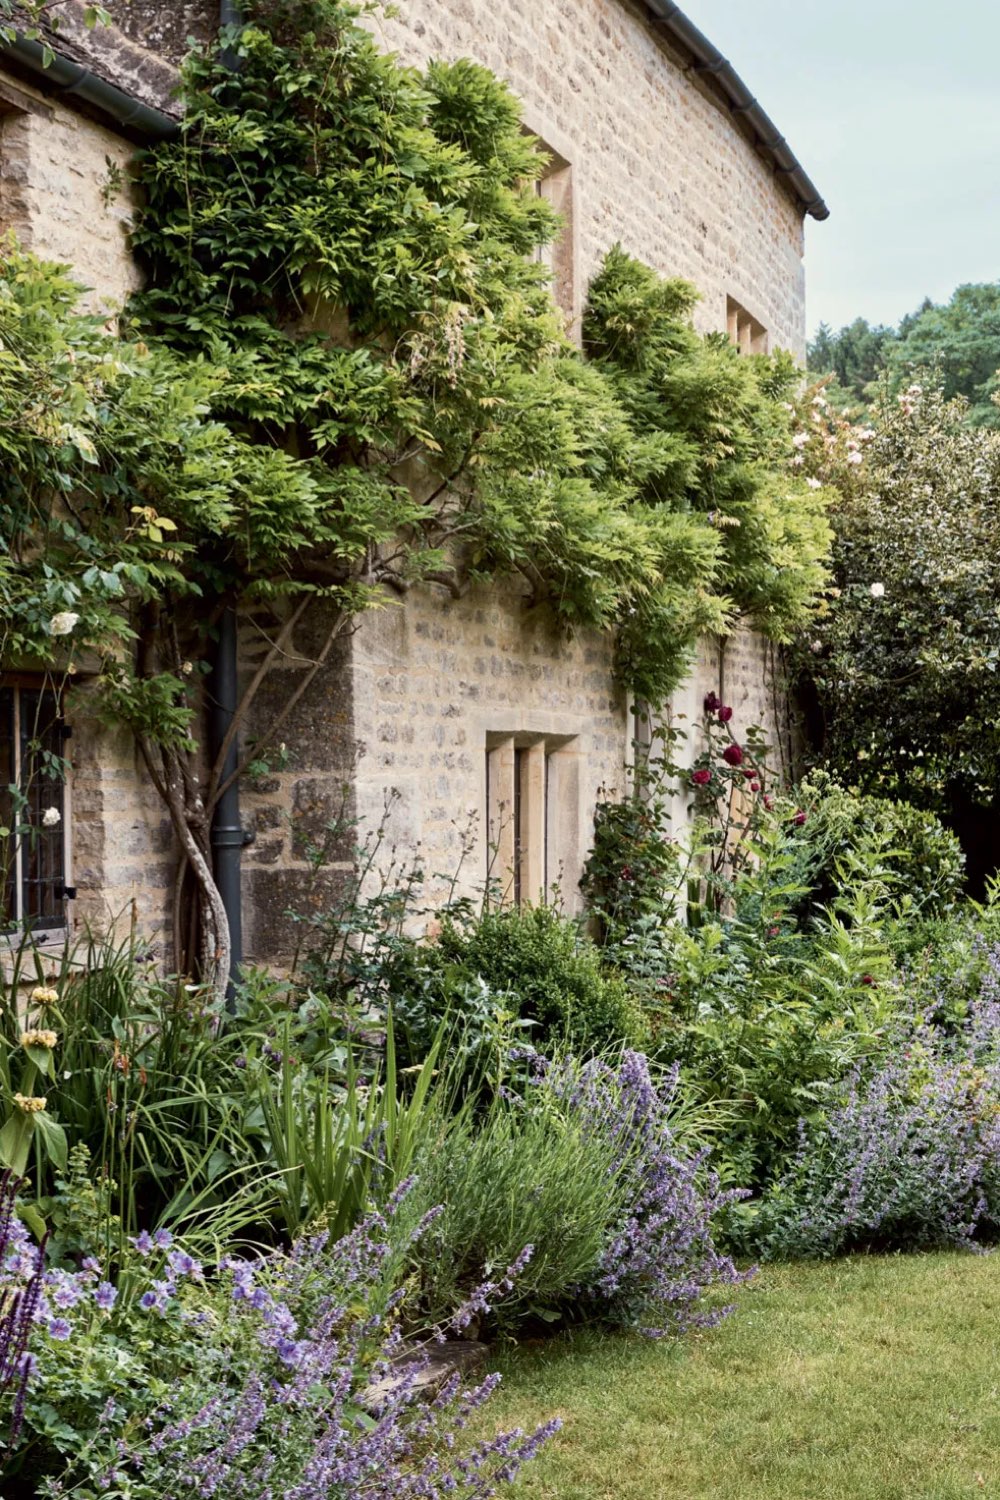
(29,1105)
(42,995)
(48,1039)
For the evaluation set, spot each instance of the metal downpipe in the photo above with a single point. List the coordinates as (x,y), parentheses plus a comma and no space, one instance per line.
(227,836)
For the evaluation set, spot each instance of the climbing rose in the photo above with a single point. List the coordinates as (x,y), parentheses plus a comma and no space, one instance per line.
(733,755)
(701,777)
(63,623)
(877,590)
(725,714)
(712,703)
(799,818)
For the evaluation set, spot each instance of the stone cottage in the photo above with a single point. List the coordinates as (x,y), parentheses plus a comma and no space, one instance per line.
(482,728)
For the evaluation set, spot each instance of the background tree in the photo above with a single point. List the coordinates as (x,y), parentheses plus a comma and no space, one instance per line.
(904,658)
(855,357)
(960,342)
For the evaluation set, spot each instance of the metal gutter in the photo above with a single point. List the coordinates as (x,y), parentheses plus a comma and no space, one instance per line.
(66,78)
(709,61)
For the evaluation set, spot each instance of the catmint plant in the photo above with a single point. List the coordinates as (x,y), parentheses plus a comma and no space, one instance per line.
(909,1157)
(305,1391)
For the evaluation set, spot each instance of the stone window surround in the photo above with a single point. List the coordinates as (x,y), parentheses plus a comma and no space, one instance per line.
(745,331)
(558,185)
(550,813)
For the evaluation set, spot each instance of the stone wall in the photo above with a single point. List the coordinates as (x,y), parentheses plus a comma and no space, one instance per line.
(438,682)
(392,737)
(123,854)
(433,689)
(657,162)
(64,192)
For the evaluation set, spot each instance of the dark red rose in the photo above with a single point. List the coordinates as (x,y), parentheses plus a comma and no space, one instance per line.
(733,755)
(712,703)
(626,872)
(725,714)
(867,979)
(755,786)
(701,777)
(799,818)
(749,774)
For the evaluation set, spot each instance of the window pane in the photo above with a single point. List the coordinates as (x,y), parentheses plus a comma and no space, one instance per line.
(8,780)
(43,784)
(518,823)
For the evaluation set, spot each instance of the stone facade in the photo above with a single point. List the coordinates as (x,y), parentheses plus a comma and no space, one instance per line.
(658,163)
(64,192)
(462,707)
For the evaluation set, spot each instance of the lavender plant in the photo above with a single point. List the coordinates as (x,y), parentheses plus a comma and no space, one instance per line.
(659,1257)
(583,1163)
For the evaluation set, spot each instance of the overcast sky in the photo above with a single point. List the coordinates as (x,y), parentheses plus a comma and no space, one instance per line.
(893,108)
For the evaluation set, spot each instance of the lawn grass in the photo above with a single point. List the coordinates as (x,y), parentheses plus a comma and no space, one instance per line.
(866,1379)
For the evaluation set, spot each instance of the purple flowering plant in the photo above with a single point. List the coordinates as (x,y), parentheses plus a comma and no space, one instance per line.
(583,1162)
(909,1155)
(101,1342)
(301,1387)
(659,1258)
(19,1302)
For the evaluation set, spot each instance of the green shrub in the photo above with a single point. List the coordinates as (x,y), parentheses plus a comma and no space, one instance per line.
(923,861)
(553,973)
(766,1011)
(521,1176)
(635,871)
(593,1180)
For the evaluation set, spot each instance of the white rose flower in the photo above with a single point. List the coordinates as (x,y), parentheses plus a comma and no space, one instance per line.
(877,590)
(51,817)
(63,623)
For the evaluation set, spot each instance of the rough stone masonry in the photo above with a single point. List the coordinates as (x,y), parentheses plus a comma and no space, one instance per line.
(435,690)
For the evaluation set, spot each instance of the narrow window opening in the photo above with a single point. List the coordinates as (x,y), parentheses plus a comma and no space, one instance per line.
(749,335)
(33,831)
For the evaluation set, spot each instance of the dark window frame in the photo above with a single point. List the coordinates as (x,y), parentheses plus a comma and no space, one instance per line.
(34,858)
